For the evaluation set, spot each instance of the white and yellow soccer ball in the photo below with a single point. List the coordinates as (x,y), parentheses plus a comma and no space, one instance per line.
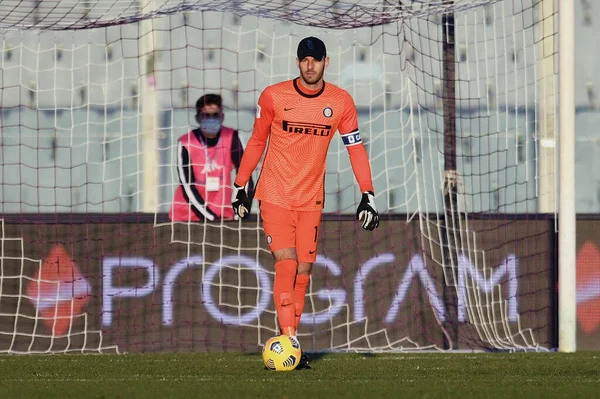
(281,353)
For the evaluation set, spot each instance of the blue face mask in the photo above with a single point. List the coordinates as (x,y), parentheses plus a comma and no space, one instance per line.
(210,126)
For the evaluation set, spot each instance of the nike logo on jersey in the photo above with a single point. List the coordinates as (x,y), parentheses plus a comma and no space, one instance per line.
(288,109)
(312,252)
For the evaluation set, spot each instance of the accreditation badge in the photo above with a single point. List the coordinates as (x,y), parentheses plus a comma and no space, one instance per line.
(212,183)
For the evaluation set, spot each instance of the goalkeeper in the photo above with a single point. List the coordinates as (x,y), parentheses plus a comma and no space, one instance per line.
(299,117)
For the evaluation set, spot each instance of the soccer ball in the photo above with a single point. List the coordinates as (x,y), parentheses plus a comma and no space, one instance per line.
(281,353)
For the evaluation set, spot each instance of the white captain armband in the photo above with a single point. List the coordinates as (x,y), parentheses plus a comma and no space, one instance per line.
(352,138)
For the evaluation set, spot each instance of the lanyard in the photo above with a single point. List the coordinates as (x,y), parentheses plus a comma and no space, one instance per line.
(207,158)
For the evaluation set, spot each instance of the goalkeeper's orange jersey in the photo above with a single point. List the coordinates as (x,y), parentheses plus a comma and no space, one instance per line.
(300,125)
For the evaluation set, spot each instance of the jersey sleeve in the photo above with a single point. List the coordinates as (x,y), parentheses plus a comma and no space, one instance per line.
(258,142)
(188,180)
(349,120)
(350,134)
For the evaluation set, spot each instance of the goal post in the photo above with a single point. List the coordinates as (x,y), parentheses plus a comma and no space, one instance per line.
(149,108)
(468,125)
(567,305)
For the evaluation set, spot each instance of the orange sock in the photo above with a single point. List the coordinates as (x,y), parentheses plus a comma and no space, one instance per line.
(300,287)
(283,295)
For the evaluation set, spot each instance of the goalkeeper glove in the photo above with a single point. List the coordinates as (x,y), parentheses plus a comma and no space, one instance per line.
(240,201)
(367,212)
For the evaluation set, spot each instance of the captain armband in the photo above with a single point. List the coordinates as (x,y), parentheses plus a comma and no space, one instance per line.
(351,138)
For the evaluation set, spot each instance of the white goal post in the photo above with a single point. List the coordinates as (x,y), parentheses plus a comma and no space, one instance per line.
(567,312)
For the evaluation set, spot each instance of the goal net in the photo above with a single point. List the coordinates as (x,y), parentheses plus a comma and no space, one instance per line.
(457,110)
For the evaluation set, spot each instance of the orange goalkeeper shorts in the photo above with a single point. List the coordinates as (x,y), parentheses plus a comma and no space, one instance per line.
(291,229)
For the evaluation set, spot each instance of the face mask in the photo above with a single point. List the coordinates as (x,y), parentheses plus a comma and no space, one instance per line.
(210,126)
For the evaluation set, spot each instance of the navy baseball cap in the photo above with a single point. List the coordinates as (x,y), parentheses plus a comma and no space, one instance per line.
(311,47)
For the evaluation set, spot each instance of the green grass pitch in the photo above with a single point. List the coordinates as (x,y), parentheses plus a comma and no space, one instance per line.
(234,375)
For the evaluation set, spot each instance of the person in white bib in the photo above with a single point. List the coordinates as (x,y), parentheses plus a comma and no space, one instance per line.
(206,157)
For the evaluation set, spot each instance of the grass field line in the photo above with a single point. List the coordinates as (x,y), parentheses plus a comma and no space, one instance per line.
(197,379)
(322,357)
(365,357)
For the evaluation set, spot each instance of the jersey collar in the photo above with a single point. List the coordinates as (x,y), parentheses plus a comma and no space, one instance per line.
(209,142)
(307,95)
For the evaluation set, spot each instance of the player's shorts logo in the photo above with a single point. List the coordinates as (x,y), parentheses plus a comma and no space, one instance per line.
(314,129)
(327,112)
(269,239)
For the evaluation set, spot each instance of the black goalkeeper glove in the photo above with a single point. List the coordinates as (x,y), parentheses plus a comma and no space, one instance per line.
(240,201)
(367,211)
